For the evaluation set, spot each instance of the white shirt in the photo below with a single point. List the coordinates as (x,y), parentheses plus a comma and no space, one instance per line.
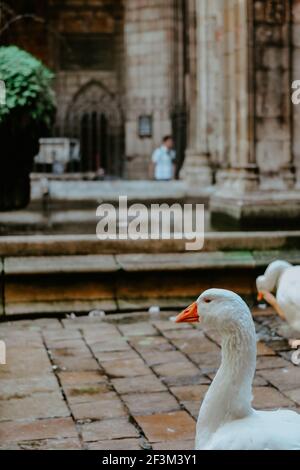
(163,158)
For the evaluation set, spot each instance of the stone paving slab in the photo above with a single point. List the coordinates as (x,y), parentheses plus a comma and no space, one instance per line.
(184,261)
(123,383)
(54,307)
(37,265)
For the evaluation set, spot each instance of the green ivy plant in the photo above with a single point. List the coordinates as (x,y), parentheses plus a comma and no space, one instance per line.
(28,86)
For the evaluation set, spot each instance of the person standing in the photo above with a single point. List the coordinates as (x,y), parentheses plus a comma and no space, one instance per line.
(163,160)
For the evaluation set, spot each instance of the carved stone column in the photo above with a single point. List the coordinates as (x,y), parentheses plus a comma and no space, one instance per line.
(273,78)
(257,182)
(296,76)
(197,171)
(148,45)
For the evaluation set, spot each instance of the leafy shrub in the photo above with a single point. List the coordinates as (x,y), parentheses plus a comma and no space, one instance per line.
(28,87)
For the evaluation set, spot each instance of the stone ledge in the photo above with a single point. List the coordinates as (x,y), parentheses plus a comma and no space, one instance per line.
(143,262)
(264,258)
(1,287)
(60,265)
(185,261)
(268,209)
(58,307)
(109,191)
(75,245)
(59,285)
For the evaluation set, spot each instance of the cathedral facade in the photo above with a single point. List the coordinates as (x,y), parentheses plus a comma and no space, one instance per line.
(217,74)
(120,71)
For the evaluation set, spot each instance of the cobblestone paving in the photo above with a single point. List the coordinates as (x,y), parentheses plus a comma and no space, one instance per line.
(126,383)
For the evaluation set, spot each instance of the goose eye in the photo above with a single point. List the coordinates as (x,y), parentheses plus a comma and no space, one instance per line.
(207,301)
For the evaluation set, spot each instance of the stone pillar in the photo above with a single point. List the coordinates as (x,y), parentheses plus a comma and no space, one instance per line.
(196,170)
(237,171)
(257,179)
(296,76)
(148,38)
(273,66)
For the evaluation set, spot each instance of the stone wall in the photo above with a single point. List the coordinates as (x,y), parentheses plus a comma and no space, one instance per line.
(27,33)
(296,76)
(244,76)
(230,62)
(148,76)
(70,20)
(149,29)
(220,139)
(272,85)
(245,136)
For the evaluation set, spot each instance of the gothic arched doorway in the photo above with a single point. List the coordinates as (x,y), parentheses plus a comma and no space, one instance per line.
(95,118)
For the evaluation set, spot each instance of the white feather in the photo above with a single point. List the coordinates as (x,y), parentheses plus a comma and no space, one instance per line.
(227,420)
(284,279)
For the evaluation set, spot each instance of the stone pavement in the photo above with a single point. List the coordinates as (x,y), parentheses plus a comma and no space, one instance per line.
(129,382)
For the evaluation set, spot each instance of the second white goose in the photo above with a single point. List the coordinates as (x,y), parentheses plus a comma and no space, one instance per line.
(283,280)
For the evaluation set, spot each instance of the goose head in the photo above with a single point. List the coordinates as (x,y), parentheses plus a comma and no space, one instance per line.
(268,282)
(219,309)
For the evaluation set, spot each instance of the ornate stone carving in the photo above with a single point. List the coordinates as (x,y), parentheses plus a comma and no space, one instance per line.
(275,11)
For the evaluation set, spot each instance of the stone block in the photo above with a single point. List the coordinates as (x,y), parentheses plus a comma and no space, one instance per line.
(138,329)
(125,368)
(41,265)
(22,387)
(88,393)
(119,428)
(150,403)
(296,35)
(284,379)
(76,364)
(81,378)
(168,427)
(36,406)
(1,287)
(178,373)
(106,407)
(293,395)
(296,11)
(44,444)
(145,384)
(115,444)
(270,398)
(178,445)
(272,130)
(59,293)
(190,393)
(37,430)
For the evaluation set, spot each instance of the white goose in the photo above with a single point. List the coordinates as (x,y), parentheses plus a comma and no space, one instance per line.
(284,279)
(227,420)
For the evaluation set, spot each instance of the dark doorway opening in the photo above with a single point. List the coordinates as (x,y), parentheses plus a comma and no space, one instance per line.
(94,142)
(95,119)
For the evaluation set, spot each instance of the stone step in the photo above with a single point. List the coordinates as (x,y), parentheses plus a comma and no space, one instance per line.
(77,283)
(142,262)
(60,245)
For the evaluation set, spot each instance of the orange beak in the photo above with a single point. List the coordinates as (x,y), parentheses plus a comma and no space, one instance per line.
(189,315)
(260,297)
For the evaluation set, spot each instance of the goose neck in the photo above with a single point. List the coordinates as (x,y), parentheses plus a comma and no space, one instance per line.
(230,395)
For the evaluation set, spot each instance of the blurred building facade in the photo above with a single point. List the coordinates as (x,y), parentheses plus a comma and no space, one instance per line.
(120,75)
(215,73)
(243,133)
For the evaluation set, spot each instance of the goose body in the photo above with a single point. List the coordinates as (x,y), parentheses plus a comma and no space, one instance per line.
(227,420)
(262,430)
(284,279)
